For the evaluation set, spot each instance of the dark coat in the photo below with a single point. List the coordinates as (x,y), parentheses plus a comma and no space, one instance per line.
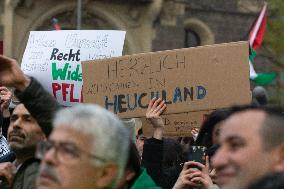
(25,176)
(152,160)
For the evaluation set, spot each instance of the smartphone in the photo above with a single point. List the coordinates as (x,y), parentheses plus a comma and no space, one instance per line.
(197,154)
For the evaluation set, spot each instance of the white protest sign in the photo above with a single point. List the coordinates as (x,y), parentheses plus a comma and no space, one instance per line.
(54,58)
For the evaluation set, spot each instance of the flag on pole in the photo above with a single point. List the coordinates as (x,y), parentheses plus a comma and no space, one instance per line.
(255,40)
(55,24)
(257,33)
(252,55)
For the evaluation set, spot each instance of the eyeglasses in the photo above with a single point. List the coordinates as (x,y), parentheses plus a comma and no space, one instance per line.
(63,150)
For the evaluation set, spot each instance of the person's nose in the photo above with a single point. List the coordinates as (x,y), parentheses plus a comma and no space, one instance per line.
(50,156)
(220,158)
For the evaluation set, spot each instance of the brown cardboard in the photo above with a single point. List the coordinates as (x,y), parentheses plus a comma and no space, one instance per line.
(177,124)
(222,70)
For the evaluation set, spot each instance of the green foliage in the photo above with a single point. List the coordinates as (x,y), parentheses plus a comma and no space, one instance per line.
(274,47)
(274,36)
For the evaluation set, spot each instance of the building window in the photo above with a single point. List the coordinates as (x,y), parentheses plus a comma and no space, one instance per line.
(192,39)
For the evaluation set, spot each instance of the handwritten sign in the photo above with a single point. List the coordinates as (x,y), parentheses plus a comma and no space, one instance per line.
(193,79)
(177,124)
(54,58)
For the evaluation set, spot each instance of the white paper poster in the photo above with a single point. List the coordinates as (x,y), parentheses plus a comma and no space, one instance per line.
(54,58)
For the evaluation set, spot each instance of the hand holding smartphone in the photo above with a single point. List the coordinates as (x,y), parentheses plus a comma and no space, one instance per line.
(197,154)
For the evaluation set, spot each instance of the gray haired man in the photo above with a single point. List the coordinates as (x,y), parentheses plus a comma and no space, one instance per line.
(87,149)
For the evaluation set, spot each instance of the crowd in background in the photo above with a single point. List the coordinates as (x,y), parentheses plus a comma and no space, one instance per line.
(46,146)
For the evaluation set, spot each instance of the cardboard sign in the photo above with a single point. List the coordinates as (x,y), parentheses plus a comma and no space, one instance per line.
(54,58)
(177,124)
(194,79)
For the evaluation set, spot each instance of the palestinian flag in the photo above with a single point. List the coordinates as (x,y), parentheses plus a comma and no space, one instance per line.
(255,40)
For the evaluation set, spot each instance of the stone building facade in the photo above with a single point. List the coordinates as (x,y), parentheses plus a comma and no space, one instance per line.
(150,24)
(136,17)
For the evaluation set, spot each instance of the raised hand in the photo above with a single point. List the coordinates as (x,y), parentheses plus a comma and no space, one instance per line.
(194,132)
(7,170)
(5,98)
(11,74)
(155,108)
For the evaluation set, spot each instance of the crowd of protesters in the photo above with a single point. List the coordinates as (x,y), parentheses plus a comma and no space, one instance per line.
(44,145)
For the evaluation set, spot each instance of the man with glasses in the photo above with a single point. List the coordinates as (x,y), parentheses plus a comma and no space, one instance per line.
(87,149)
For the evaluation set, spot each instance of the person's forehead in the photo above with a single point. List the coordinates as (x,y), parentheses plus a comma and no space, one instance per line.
(20,110)
(65,134)
(246,123)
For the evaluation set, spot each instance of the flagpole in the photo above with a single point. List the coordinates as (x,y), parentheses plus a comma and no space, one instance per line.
(79,14)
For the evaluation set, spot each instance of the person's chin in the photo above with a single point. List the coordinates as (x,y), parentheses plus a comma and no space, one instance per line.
(44,182)
(225,180)
(16,145)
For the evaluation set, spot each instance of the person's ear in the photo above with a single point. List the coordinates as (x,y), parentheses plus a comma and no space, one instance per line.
(279,156)
(130,174)
(108,175)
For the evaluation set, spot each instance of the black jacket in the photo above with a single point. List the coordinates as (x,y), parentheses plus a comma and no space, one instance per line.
(152,160)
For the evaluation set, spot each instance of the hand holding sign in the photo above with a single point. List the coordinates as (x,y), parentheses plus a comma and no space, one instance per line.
(11,74)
